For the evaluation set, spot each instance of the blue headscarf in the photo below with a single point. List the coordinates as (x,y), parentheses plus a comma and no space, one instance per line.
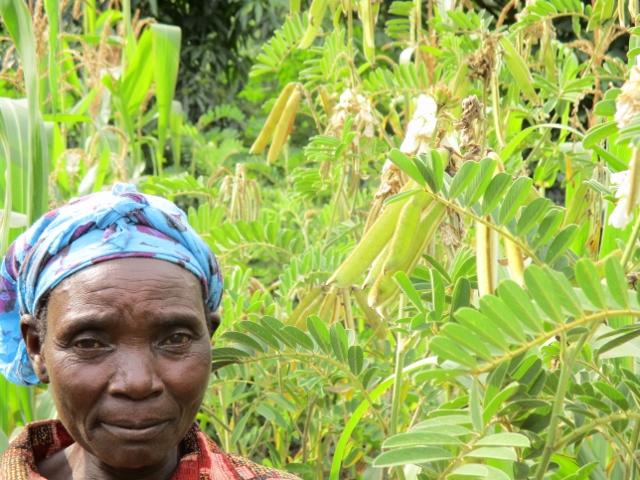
(89,230)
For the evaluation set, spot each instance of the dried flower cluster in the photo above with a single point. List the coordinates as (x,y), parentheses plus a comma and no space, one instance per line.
(483,61)
(471,112)
(357,106)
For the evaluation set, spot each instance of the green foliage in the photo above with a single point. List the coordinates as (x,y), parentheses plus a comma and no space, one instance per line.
(491,335)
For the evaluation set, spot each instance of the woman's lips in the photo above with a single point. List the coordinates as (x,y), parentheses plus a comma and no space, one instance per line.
(134,431)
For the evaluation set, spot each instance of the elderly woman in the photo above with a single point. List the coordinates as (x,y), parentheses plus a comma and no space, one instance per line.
(112,300)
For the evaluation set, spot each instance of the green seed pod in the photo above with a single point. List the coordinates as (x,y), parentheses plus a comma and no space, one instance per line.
(369,247)
(376,267)
(405,233)
(368,24)
(486,258)
(284,126)
(328,305)
(272,120)
(327,102)
(316,14)
(307,301)
(385,288)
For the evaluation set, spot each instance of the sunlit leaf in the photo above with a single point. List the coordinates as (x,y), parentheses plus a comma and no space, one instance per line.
(404,456)
(505,440)
(410,439)
(589,280)
(616,282)
(499,453)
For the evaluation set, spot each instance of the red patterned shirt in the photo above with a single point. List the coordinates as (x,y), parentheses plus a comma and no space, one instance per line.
(202,458)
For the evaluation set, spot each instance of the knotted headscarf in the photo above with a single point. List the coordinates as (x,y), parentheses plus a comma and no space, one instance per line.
(89,230)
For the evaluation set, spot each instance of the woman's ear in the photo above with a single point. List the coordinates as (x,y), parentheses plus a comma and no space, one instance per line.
(213,322)
(31,337)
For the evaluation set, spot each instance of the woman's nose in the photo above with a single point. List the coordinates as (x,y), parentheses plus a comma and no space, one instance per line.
(135,375)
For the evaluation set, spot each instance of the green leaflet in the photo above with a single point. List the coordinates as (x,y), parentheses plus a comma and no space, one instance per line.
(505,440)
(514,199)
(589,280)
(495,192)
(410,439)
(498,453)
(561,243)
(463,178)
(617,282)
(480,182)
(404,456)
(243,339)
(339,342)
(546,298)
(404,163)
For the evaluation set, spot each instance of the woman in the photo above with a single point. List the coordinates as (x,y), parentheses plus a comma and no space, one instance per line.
(112,301)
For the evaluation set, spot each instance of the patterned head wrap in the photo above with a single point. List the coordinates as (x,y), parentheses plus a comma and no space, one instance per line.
(89,230)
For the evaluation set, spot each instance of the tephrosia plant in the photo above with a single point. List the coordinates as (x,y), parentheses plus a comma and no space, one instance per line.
(461,305)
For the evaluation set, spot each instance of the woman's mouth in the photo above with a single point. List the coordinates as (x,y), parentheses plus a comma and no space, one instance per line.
(134,430)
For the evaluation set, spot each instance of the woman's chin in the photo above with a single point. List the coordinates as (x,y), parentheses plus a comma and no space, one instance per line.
(130,458)
(128,449)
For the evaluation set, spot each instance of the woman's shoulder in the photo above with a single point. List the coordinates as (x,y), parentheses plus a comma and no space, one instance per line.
(249,470)
(237,466)
(37,442)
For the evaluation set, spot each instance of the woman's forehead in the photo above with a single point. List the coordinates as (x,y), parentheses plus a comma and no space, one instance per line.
(134,268)
(129,280)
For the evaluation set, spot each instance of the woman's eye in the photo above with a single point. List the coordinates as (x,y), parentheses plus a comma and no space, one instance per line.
(177,339)
(88,344)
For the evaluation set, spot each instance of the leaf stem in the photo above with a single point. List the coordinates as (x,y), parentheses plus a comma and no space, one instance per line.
(502,231)
(307,424)
(340,366)
(495,97)
(578,432)
(635,435)
(558,404)
(335,208)
(397,386)
(629,248)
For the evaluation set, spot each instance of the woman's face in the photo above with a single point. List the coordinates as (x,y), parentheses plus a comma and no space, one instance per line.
(127,352)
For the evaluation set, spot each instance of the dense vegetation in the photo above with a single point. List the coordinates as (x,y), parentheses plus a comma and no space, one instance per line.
(426,212)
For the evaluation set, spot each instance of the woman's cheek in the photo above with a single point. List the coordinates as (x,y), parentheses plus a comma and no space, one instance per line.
(189,376)
(75,384)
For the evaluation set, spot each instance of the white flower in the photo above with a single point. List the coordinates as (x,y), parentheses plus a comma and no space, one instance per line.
(623,212)
(421,127)
(628,102)
(621,179)
(619,218)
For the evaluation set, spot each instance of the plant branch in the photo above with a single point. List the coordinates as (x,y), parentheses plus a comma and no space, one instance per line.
(558,403)
(338,365)
(501,231)
(578,432)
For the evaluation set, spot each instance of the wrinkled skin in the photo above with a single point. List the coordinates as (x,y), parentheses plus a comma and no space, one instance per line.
(127,355)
